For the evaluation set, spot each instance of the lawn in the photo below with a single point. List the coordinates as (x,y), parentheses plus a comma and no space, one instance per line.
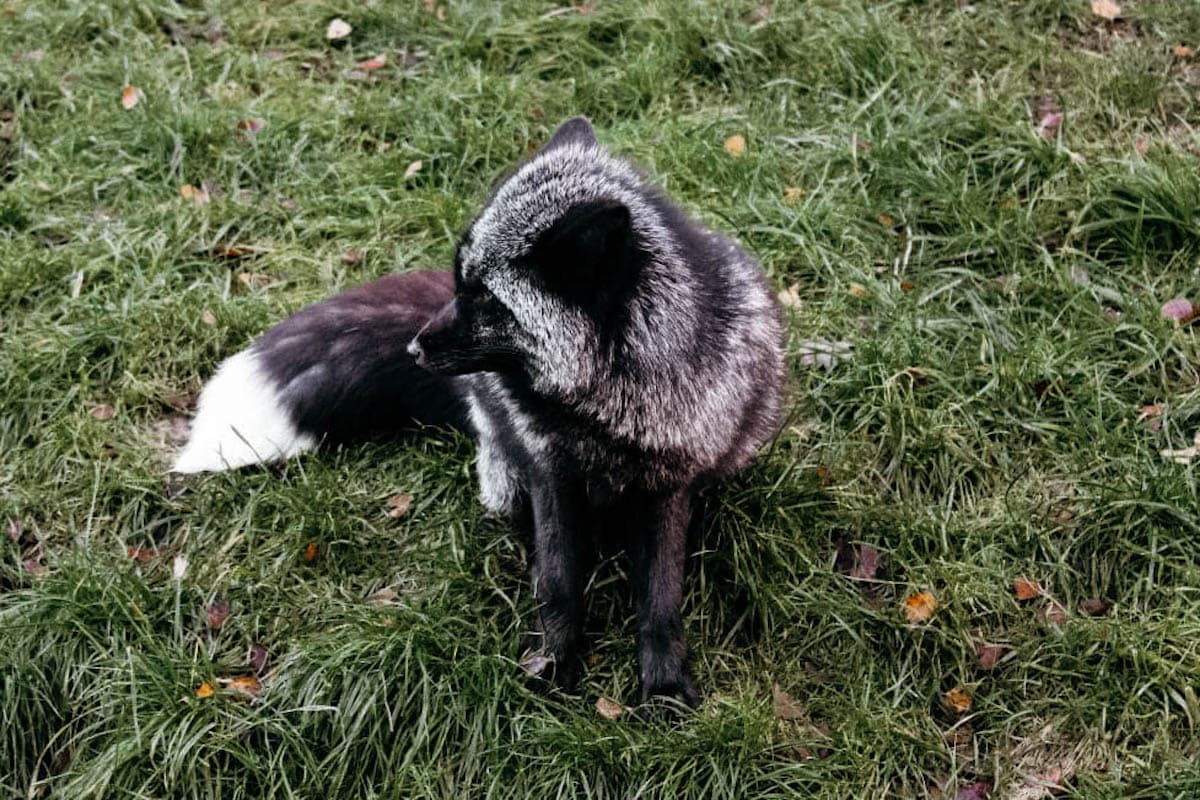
(975,215)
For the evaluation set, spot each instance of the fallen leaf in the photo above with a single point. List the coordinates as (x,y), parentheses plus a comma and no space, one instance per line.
(34,567)
(823,475)
(1048,124)
(217,612)
(919,607)
(1180,309)
(231,251)
(246,685)
(384,597)
(786,706)
(1055,613)
(130,97)
(352,256)
(790,297)
(197,196)
(338,29)
(310,552)
(1026,589)
(736,145)
(988,654)
(1096,607)
(140,554)
(980,790)
(958,701)
(372,64)
(609,709)
(412,169)
(793,195)
(1185,455)
(29,56)
(102,411)
(858,290)
(398,505)
(1106,9)
(887,220)
(1182,51)
(208,318)
(205,690)
(258,656)
(1149,412)
(254,280)
(866,564)
(906,287)
(249,126)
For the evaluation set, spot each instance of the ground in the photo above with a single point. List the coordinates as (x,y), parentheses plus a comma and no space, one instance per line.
(975,214)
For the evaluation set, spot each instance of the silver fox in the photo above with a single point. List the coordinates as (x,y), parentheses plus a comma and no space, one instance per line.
(610,355)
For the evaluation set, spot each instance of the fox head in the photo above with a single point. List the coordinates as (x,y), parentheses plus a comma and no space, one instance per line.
(545,275)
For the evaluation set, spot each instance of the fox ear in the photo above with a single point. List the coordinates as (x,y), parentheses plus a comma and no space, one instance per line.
(576,130)
(588,247)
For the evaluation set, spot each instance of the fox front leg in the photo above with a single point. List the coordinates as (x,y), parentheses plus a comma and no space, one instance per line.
(658,550)
(560,530)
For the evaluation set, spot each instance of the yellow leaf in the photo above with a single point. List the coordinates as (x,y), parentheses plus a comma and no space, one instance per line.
(958,701)
(919,607)
(1106,9)
(736,145)
(130,96)
(204,690)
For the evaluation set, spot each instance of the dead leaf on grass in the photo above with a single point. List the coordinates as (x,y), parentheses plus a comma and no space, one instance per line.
(216,613)
(980,790)
(338,29)
(247,686)
(1026,589)
(310,552)
(372,64)
(786,706)
(1106,9)
(609,709)
(102,411)
(988,655)
(258,656)
(919,607)
(205,690)
(1096,607)
(958,700)
(398,505)
(384,597)
(735,145)
(130,97)
(790,297)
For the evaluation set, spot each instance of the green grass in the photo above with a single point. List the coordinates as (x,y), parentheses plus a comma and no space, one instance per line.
(1005,333)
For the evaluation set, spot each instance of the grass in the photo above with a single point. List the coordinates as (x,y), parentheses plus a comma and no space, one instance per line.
(1004,317)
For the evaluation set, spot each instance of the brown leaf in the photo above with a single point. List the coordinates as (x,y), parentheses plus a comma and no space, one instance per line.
(140,554)
(413,169)
(858,290)
(249,126)
(887,220)
(384,597)
(1055,613)
(372,64)
(792,195)
(609,709)
(197,196)
(1141,146)
(310,552)
(958,701)
(398,505)
(254,280)
(245,685)
(1096,607)
(980,790)
(217,612)
(1106,9)
(205,690)
(919,607)
(1149,412)
(1182,51)
(258,656)
(1026,589)
(988,654)
(102,411)
(866,564)
(34,567)
(736,145)
(338,29)
(231,251)
(130,97)
(786,706)
(906,287)
(207,318)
